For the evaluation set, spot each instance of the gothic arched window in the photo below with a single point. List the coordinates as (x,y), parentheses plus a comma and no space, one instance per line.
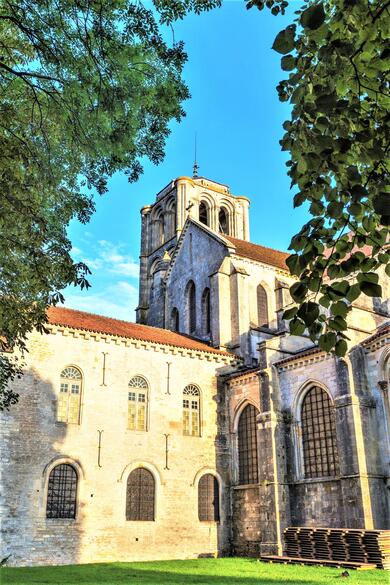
(206,312)
(204,213)
(158,228)
(247,446)
(137,410)
(170,219)
(140,495)
(175,319)
(68,403)
(320,456)
(223,221)
(208,498)
(262,307)
(191,299)
(62,492)
(191,411)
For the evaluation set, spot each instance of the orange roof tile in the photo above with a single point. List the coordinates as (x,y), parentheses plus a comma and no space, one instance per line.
(260,253)
(100,324)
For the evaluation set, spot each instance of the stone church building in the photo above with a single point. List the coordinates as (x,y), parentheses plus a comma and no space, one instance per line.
(204,428)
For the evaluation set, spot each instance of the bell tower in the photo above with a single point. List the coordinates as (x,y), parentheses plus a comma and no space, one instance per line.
(206,201)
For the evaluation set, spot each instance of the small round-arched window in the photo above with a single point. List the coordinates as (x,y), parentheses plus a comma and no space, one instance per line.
(69,397)
(137,407)
(223,220)
(191,410)
(204,213)
(62,492)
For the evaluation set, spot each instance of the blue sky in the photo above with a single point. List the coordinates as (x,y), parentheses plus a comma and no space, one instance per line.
(232,74)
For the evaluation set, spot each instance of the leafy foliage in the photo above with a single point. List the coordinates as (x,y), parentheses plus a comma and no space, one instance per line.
(87,88)
(338,55)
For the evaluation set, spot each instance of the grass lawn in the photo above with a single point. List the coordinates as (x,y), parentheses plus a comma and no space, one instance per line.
(229,571)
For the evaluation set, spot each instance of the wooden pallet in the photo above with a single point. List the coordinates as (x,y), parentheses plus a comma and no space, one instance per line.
(320,562)
(353,545)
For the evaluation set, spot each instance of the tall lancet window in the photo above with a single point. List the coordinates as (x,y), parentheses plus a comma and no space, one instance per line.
(175,319)
(203,213)
(262,307)
(223,220)
(206,312)
(247,446)
(191,299)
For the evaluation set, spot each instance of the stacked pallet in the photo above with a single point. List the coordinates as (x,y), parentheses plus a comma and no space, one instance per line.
(339,544)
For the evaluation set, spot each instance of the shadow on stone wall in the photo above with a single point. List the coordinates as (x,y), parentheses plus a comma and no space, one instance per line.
(32,441)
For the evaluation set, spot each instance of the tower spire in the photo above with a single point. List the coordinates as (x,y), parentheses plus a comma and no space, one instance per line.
(196,166)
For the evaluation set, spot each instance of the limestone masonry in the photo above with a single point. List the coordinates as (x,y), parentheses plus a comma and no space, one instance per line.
(204,428)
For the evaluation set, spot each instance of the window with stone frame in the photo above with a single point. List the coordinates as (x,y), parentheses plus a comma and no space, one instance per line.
(175,319)
(208,498)
(248,465)
(262,307)
(223,221)
(137,404)
(191,411)
(140,495)
(319,442)
(206,312)
(191,296)
(204,213)
(62,492)
(69,396)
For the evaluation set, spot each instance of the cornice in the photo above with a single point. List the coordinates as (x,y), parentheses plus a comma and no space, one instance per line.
(142,344)
(302,360)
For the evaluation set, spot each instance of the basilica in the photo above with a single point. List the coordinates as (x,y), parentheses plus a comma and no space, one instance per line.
(204,428)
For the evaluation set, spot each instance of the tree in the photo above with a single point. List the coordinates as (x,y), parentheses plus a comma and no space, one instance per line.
(337,54)
(87,88)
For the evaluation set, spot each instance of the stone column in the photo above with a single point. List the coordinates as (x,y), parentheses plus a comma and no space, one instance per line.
(273,487)
(220,318)
(143,304)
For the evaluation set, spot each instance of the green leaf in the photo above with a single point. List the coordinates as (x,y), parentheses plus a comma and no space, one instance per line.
(371,289)
(338,323)
(297,327)
(381,204)
(353,293)
(294,264)
(327,341)
(341,348)
(308,312)
(290,313)
(313,17)
(298,291)
(288,63)
(368,277)
(284,41)
(339,308)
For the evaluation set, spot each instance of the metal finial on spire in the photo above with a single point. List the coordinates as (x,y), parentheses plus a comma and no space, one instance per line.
(196,166)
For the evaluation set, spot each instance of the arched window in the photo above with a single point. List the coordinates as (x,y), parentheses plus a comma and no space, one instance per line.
(140,495)
(175,319)
(247,446)
(206,312)
(191,411)
(223,221)
(158,228)
(137,411)
(191,296)
(208,498)
(319,444)
(62,492)
(203,213)
(262,307)
(68,403)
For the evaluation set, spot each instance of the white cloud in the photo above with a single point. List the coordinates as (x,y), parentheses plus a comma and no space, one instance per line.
(108,258)
(118,300)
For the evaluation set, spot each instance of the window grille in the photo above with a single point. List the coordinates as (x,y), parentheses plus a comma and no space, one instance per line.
(140,495)
(208,498)
(137,404)
(262,307)
(247,446)
(191,411)
(68,402)
(319,434)
(192,307)
(62,492)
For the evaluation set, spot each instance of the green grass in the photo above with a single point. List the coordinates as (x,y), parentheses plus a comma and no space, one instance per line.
(229,571)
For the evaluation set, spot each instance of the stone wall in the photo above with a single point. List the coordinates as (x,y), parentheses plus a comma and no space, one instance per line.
(33,442)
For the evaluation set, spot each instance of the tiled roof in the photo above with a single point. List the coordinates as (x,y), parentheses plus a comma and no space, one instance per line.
(260,253)
(99,324)
(382,330)
(299,355)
